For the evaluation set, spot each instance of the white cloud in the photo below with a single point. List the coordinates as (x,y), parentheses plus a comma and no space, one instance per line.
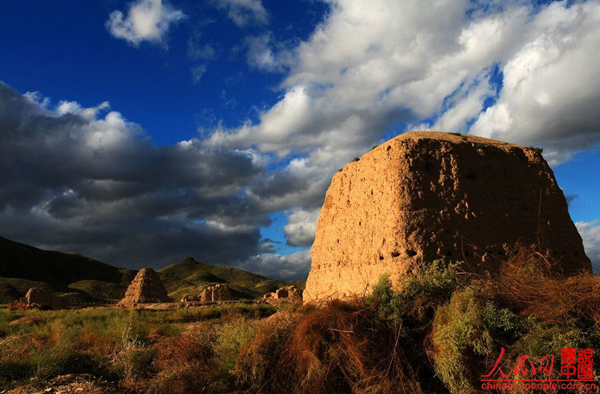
(197,72)
(195,50)
(430,64)
(551,85)
(590,232)
(301,227)
(265,53)
(245,12)
(147,20)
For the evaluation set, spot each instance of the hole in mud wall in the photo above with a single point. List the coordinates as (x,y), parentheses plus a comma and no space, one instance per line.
(380,257)
(389,147)
(411,253)
(395,253)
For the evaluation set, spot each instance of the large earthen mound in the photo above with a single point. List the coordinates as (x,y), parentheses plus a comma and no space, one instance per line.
(424,196)
(145,288)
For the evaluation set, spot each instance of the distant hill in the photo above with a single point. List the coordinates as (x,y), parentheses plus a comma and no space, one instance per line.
(82,279)
(191,277)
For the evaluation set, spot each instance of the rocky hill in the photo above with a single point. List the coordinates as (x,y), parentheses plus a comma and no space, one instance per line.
(424,196)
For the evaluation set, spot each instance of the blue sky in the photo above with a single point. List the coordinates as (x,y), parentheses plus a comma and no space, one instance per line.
(140,132)
(64,50)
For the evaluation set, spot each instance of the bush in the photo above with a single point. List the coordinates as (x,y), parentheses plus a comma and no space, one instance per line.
(528,308)
(420,295)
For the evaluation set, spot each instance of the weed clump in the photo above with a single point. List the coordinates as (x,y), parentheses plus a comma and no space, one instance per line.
(526,308)
(420,295)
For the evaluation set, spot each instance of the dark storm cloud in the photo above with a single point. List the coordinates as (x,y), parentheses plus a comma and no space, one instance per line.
(279,184)
(294,266)
(74,180)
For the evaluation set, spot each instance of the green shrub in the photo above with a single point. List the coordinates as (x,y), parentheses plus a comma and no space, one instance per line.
(420,294)
(229,340)
(524,308)
(456,337)
(535,149)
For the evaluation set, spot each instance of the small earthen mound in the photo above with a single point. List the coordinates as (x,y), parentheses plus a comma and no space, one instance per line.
(220,292)
(41,298)
(288,293)
(424,196)
(146,288)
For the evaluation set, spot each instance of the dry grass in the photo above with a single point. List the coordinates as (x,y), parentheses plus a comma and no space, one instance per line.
(531,284)
(440,334)
(342,347)
(26,320)
(527,307)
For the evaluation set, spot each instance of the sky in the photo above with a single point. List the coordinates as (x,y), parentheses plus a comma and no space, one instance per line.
(142,132)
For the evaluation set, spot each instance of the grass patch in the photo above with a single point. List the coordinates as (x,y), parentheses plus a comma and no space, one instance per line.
(440,333)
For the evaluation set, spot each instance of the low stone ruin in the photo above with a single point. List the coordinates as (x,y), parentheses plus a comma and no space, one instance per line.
(220,292)
(146,288)
(289,293)
(45,299)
